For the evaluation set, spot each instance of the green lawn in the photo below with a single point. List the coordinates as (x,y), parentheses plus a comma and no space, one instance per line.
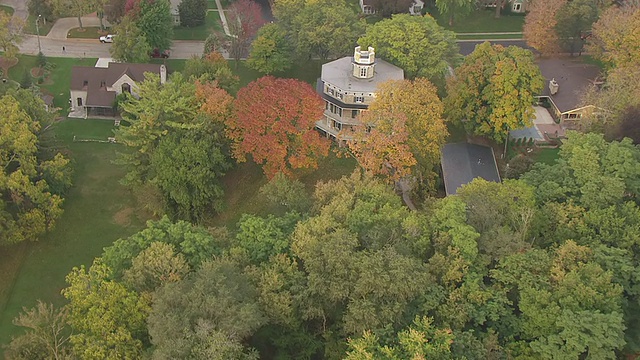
(98,210)
(212,24)
(90,32)
(483,21)
(547,156)
(309,72)
(30,26)
(490,37)
(211,4)
(7,9)
(58,83)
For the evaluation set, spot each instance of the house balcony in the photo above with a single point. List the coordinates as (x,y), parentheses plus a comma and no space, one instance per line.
(334,129)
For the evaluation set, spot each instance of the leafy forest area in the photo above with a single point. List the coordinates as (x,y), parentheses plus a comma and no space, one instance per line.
(262,239)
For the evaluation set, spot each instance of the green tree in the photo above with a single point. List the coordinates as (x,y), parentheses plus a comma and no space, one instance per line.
(420,341)
(155,266)
(76,8)
(130,44)
(212,67)
(188,167)
(109,320)
(10,34)
(325,29)
(41,7)
(290,194)
(455,8)
(271,51)
(574,19)
(173,133)
(265,237)
(192,12)
(493,91)
(156,23)
(217,296)
(47,335)
(417,44)
(28,206)
(194,243)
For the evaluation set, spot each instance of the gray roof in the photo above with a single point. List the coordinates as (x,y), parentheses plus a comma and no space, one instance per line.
(464,162)
(340,73)
(572,76)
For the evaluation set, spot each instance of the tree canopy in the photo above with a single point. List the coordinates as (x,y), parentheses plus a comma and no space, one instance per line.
(274,122)
(612,38)
(32,182)
(417,44)
(493,91)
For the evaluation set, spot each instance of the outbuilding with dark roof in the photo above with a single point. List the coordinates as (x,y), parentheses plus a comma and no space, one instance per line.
(463,162)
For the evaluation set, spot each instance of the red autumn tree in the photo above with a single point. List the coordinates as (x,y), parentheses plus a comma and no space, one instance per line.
(384,149)
(244,19)
(274,123)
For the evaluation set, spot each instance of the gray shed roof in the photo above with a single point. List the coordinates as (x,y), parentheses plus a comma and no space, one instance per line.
(463,162)
(340,73)
(572,76)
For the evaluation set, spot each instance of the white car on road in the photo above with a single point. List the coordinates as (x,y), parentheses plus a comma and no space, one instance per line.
(107,39)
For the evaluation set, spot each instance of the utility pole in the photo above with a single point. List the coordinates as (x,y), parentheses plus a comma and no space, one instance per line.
(38,33)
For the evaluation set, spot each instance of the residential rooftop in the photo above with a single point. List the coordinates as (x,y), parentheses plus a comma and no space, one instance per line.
(340,74)
(573,77)
(463,162)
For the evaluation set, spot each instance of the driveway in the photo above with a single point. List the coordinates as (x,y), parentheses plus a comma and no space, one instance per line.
(19,8)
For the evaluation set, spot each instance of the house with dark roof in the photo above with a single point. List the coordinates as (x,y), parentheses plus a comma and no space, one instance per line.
(565,80)
(463,162)
(94,89)
(348,86)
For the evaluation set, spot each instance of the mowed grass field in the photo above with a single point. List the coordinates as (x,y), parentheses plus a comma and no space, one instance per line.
(97,211)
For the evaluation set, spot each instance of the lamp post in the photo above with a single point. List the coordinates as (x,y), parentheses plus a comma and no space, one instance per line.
(38,33)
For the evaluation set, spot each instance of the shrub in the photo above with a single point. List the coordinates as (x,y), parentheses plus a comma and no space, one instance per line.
(517,166)
(41,60)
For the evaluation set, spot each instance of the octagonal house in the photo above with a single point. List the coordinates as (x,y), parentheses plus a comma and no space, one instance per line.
(348,86)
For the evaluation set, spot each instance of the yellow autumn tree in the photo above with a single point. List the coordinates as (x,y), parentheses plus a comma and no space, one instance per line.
(380,145)
(418,104)
(616,36)
(539,29)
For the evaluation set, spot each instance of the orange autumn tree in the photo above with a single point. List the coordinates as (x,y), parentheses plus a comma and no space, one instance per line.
(274,123)
(380,145)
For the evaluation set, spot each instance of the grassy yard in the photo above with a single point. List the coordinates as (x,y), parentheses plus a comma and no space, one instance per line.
(89,32)
(242,187)
(211,4)
(483,21)
(547,156)
(212,23)
(7,9)
(30,26)
(58,83)
(308,72)
(491,37)
(98,210)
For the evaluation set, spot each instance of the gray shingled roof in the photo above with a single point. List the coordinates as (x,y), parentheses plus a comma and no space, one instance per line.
(464,162)
(340,73)
(572,76)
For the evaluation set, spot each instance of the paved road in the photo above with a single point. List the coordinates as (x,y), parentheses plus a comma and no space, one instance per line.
(78,48)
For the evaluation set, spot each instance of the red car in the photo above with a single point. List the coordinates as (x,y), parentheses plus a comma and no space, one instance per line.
(156,53)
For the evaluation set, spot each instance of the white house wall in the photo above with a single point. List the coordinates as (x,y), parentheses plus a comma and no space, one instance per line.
(75,94)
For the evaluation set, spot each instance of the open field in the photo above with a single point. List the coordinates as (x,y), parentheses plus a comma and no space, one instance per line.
(98,210)
(483,21)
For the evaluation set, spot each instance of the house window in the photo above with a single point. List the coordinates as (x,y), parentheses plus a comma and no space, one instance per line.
(516,7)
(126,88)
(85,83)
(79,101)
(359,99)
(354,113)
(340,96)
(363,72)
(103,83)
(332,92)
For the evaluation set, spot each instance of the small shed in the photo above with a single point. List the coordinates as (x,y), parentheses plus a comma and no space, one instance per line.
(519,6)
(463,162)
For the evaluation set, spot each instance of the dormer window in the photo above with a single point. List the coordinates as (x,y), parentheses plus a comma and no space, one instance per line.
(103,83)
(85,83)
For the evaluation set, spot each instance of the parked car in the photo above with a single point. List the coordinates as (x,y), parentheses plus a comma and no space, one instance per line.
(107,38)
(156,53)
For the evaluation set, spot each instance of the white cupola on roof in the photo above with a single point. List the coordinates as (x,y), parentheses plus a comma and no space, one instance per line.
(364,62)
